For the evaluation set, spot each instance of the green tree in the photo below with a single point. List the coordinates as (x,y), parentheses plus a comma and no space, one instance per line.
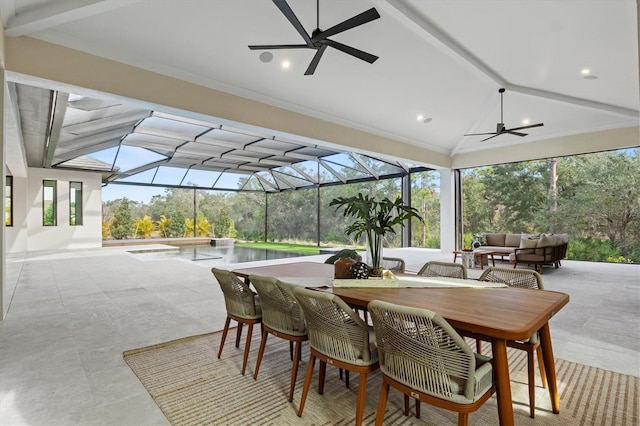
(177,226)
(518,192)
(248,214)
(293,215)
(603,199)
(48,217)
(224,226)
(477,211)
(425,197)
(121,223)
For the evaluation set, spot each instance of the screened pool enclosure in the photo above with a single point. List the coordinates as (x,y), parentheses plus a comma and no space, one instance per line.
(129,145)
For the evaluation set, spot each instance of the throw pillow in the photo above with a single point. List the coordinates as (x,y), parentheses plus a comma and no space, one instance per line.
(530,236)
(481,239)
(528,245)
(546,241)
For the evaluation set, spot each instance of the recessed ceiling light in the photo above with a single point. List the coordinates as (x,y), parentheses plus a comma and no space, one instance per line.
(266,57)
(525,121)
(585,71)
(586,74)
(286,65)
(422,118)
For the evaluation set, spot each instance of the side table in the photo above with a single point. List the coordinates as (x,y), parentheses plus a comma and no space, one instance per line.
(470,257)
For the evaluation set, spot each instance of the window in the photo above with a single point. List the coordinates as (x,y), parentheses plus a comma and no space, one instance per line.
(75,203)
(49,207)
(8,201)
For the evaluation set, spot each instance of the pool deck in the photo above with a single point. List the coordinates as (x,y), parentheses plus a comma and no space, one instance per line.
(174,242)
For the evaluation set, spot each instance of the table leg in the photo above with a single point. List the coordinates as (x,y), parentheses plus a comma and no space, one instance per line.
(482,262)
(493,260)
(549,366)
(503,384)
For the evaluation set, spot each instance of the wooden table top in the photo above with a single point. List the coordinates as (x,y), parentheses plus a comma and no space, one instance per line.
(505,313)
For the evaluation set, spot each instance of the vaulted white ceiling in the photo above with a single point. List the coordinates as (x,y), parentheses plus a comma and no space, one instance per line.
(440,60)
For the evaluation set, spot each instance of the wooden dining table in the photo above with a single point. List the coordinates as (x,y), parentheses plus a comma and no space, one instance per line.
(493,314)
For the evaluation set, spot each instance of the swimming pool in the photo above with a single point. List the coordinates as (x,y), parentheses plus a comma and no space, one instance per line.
(226,254)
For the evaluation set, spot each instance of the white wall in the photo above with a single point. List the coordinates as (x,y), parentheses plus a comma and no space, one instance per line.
(28,233)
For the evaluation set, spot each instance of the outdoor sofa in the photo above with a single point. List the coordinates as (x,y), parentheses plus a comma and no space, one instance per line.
(526,249)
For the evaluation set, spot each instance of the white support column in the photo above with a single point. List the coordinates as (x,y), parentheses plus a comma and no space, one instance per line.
(447,211)
(4,298)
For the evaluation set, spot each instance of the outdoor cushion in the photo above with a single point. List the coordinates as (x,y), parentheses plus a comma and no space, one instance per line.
(512,240)
(526,258)
(495,240)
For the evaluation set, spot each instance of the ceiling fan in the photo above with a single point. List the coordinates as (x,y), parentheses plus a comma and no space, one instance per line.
(501,129)
(319,39)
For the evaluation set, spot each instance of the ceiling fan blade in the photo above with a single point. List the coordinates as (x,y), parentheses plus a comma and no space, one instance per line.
(511,132)
(278,46)
(314,62)
(288,13)
(363,18)
(527,127)
(367,57)
(490,137)
(481,134)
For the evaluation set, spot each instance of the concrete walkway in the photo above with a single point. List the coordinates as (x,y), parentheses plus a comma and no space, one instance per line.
(73,313)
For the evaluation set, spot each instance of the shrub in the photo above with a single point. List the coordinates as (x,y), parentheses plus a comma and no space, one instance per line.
(591,249)
(144,227)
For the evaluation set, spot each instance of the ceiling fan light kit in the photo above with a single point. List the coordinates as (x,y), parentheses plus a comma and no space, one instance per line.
(501,128)
(319,40)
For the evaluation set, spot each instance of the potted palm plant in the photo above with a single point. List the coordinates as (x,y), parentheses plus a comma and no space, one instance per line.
(374,218)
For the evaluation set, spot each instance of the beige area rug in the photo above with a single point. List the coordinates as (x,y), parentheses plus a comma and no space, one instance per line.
(192,387)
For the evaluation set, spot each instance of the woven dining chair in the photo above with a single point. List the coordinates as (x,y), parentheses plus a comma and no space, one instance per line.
(339,337)
(282,317)
(393,264)
(423,357)
(523,278)
(443,269)
(242,306)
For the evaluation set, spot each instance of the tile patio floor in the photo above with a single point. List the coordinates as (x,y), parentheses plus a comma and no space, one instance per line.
(73,313)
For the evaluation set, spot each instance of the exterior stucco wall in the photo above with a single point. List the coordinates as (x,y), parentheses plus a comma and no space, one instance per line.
(28,232)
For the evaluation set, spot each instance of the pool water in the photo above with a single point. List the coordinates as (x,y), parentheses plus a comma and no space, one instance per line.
(228,254)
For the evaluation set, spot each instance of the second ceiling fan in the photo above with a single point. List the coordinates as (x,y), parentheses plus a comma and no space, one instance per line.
(501,129)
(319,40)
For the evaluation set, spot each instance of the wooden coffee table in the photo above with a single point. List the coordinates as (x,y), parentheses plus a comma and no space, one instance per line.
(479,255)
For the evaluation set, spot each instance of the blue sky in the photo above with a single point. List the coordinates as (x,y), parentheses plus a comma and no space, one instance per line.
(137,193)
